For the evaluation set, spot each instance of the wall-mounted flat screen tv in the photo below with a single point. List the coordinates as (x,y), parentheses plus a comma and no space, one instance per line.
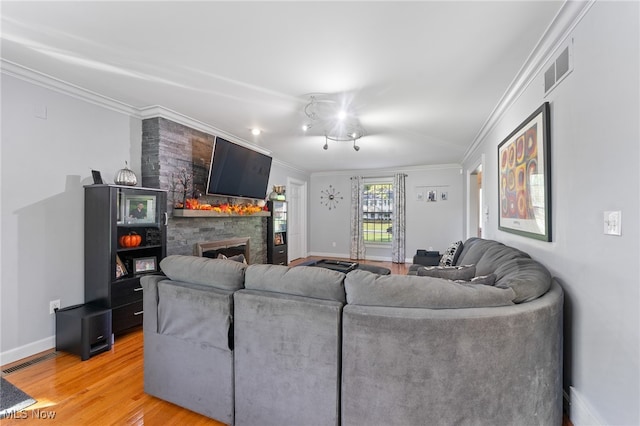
(237,171)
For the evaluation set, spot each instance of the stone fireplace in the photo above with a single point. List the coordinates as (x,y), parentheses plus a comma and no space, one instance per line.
(170,149)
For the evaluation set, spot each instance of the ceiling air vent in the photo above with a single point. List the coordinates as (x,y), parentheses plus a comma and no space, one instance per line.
(557,71)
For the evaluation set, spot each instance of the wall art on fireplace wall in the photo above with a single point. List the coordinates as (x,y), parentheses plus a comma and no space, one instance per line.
(524,178)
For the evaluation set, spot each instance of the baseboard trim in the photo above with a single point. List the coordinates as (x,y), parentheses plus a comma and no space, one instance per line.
(30,349)
(579,411)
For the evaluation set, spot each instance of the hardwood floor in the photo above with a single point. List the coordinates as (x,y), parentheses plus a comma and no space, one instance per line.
(108,388)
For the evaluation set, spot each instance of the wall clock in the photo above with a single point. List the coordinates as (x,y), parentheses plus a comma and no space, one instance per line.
(330,197)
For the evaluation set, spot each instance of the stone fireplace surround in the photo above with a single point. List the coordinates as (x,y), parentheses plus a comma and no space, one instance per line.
(169,148)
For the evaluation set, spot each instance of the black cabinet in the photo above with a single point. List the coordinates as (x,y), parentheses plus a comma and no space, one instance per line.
(125,238)
(277,233)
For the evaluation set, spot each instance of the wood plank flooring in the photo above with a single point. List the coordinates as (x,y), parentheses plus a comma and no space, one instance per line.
(107,389)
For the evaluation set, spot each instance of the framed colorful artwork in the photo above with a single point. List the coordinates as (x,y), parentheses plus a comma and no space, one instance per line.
(524,178)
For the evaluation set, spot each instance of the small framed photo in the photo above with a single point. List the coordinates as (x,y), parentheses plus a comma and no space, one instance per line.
(444,196)
(142,265)
(432,196)
(278,239)
(140,209)
(121,270)
(97,177)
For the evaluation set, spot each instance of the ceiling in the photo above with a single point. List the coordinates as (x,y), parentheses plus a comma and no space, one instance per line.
(423,77)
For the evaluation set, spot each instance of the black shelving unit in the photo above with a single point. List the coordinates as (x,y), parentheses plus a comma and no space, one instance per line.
(277,233)
(112,270)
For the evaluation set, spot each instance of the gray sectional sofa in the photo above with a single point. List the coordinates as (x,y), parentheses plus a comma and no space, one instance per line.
(273,345)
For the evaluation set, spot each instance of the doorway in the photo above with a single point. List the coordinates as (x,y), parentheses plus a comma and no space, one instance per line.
(297,219)
(475,201)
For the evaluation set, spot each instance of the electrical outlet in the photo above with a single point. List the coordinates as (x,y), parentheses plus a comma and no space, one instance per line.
(53,305)
(613,222)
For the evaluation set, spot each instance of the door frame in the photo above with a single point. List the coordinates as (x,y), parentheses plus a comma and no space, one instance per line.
(480,162)
(303,185)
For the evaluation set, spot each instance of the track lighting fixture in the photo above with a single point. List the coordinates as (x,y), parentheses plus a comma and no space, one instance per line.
(333,119)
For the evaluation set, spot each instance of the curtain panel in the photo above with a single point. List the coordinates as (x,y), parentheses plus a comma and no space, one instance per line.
(398,252)
(357,234)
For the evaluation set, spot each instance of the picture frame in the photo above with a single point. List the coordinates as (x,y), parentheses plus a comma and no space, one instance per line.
(140,209)
(524,178)
(143,265)
(432,196)
(278,239)
(121,270)
(97,177)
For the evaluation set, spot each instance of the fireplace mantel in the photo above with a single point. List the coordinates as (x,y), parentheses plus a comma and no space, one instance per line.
(211,213)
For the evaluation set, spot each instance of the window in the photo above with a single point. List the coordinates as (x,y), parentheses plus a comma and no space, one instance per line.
(377,210)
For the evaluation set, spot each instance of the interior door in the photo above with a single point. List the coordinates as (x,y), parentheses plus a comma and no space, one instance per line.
(297,220)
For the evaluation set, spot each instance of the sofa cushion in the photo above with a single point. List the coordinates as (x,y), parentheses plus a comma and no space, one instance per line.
(451,254)
(196,313)
(223,274)
(465,273)
(309,281)
(482,279)
(513,268)
(528,278)
(407,291)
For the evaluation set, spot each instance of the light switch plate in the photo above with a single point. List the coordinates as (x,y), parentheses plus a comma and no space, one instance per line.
(613,222)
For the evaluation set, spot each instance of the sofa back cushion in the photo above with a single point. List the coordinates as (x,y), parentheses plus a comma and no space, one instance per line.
(319,283)
(218,273)
(197,313)
(410,291)
(513,268)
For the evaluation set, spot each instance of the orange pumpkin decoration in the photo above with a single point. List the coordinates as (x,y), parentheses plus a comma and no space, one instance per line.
(130,240)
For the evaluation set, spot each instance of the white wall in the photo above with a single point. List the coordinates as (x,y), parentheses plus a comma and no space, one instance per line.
(595,139)
(45,163)
(428,224)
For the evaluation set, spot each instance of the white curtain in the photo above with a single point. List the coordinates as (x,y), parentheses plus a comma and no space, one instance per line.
(357,235)
(398,221)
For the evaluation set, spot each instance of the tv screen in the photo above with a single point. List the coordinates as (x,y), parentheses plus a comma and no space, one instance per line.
(237,171)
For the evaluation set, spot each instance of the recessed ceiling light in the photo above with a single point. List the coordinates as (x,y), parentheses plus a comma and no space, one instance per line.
(255,132)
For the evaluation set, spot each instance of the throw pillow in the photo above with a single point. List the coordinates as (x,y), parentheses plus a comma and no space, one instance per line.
(453,273)
(451,254)
(483,279)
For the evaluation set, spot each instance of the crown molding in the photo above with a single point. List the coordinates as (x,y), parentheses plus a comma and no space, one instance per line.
(388,172)
(162,112)
(48,82)
(563,24)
